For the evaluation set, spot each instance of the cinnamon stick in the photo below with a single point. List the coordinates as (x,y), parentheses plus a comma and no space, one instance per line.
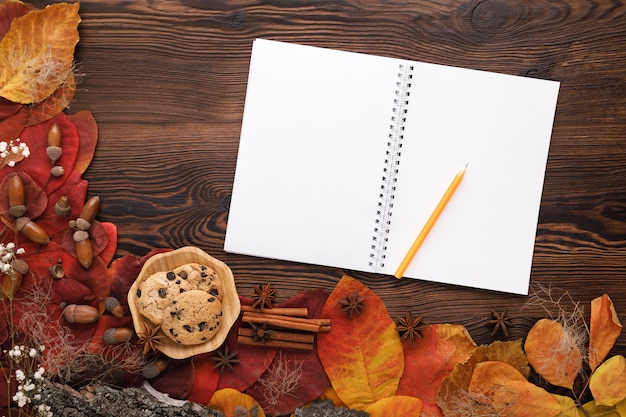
(281,322)
(245,340)
(284,336)
(318,322)
(283,311)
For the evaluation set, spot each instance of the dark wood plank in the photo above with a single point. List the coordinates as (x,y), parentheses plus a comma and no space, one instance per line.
(166,82)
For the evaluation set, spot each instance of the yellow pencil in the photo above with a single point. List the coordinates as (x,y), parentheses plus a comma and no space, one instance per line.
(430,223)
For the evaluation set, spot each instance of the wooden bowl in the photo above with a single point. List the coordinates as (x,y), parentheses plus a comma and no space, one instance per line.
(168,261)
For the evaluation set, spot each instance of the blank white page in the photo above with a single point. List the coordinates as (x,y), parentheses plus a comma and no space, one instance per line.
(311,154)
(500,126)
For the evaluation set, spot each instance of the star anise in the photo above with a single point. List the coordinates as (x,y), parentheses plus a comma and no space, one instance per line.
(150,338)
(260,332)
(500,322)
(410,327)
(225,359)
(264,296)
(352,303)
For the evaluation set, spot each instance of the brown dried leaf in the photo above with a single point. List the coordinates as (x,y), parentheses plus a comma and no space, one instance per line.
(37,53)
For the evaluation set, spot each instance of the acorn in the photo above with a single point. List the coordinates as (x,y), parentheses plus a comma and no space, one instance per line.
(82,224)
(17,196)
(57,271)
(75,313)
(32,230)
(84,252)
(57,171)
(54,149)
(117,335)
(90,209)
(11,282)
(113,306)
(62,206)
(153,369)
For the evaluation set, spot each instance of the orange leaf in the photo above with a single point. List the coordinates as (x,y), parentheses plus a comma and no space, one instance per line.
(604,330)
(36,54)
(362,356)
(453,397)
(508,391)
(234,403)
(398,405)
(608,382)
(431,358)
(552,352)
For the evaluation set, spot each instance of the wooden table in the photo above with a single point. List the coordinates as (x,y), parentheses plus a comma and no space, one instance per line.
(166,82)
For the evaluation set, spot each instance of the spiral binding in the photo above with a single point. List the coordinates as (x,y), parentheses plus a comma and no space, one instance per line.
(391,167)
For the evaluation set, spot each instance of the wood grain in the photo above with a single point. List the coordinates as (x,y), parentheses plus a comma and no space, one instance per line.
(166,81)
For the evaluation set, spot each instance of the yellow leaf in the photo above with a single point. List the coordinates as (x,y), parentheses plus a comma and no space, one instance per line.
(593,409)
(510,394)
(37,53)
(396,406)
(552,352)
(362,355)
(620,407)
(234,403)
(604,329)
(608,382)
(568,407)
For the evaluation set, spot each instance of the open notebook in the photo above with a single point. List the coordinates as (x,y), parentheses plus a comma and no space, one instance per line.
(343,157)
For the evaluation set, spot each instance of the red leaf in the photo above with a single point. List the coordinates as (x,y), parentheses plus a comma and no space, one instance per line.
(8,12)
(11,126)
(88,134)
(94,278)
(38,164)
(122,274)
(177,379)
(108,252)
(70,291)
(98,234)
(206,379)
(8,108)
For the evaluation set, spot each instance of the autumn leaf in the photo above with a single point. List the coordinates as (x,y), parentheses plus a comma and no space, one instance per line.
(12,125)
(507,390)
(37,53)
(593,409)
(54,103)
(8,12)
(432,358)
(453,396)
(397,405)
(362,356)
(608,382)
(88,135)
(234,403)
(568,407)
(177,379)
(604,329)
(205,380)
(552,352)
